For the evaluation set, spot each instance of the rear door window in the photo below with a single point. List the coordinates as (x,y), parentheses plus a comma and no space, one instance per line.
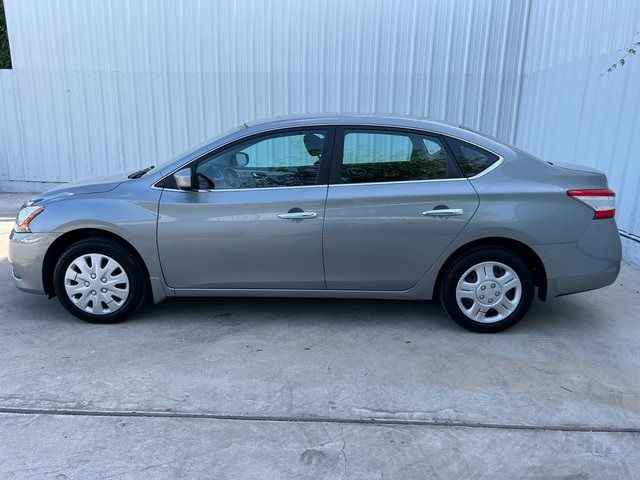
(371,156)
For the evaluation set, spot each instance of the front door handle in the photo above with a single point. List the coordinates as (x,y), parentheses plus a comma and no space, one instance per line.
(297,215)
(443,212)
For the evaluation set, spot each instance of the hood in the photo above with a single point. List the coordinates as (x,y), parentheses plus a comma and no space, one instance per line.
(92,185)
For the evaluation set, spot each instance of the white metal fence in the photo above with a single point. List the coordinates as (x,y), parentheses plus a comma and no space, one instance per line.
(109,85)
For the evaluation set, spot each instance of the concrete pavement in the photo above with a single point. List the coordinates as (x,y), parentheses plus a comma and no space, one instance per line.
(283,388)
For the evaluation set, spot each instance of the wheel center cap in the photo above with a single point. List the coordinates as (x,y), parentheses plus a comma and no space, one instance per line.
(489,293)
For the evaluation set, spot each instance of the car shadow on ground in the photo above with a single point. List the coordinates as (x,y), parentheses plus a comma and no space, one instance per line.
(543,316)
(408,313)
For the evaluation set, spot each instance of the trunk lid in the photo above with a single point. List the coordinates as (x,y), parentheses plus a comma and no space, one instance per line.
(577,168)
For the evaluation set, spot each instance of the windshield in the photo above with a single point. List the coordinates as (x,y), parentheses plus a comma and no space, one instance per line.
(193,149)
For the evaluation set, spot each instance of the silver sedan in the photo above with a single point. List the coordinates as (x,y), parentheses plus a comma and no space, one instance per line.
(336,206)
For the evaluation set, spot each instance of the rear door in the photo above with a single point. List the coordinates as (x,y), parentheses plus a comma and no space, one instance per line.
(396,200)
(255,220)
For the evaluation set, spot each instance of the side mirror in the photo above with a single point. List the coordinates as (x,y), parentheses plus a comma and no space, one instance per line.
(242,159)
(183,179)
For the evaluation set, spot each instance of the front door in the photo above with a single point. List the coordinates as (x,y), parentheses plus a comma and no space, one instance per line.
(395,203)
(255,219)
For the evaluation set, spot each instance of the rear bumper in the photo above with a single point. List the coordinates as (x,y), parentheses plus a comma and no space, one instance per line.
(26,255)
(593,262)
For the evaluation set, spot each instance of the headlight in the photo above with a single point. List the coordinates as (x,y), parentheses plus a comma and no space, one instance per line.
(25,216)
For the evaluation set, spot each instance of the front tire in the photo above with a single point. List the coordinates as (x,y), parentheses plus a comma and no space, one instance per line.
(99,281)
(487,290)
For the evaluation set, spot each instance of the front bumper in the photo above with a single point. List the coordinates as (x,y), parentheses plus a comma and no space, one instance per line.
(26,256)
(593,262)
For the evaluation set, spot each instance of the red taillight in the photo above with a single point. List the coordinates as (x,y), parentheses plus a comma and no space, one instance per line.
(601,200)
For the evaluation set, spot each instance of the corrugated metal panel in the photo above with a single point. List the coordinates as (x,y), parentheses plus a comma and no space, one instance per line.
(572,109)
(103,86)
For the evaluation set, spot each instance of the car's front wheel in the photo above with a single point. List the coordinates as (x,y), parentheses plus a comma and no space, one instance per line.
(99,281)
(487,290)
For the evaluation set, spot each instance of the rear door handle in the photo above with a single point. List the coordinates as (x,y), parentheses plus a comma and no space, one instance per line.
(297,215)
(443,212)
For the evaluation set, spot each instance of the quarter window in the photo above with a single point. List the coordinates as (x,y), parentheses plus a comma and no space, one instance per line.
(288,159)
(471,158)
(377,156)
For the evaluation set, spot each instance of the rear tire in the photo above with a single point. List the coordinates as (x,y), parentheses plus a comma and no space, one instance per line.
(487,290)
(99,281)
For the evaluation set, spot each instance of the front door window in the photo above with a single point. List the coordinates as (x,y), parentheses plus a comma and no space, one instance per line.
(290,159)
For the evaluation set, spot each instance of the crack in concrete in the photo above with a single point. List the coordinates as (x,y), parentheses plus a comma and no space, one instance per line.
(317,420)
(344,455)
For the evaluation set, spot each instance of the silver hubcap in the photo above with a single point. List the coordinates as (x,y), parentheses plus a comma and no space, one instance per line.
(96,283)
(489,292)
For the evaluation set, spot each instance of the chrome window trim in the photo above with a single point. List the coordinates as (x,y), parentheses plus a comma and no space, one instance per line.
(325,185)
(250,189)
(399,182)
(495,165)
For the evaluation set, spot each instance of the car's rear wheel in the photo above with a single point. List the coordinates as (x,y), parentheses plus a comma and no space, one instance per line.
(487,290)
(99,281)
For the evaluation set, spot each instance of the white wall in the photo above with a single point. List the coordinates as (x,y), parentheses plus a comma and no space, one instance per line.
(108,85)
(103,86)
(573,110)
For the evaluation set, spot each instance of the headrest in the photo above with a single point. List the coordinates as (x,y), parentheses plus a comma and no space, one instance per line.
(314,144)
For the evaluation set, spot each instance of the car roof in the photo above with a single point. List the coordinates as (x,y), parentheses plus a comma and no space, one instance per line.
(347,119)
(418,123)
